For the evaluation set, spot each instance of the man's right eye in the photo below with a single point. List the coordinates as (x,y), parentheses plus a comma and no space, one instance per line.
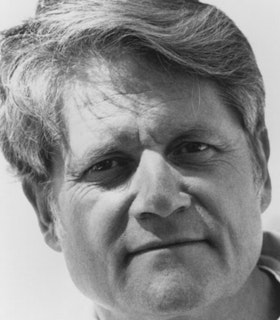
(109,173)
(107,164)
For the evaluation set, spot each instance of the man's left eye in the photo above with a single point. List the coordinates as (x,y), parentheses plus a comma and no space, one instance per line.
(191,147)
(191,153)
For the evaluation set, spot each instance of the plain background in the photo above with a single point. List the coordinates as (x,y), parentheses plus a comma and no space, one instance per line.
(34,283)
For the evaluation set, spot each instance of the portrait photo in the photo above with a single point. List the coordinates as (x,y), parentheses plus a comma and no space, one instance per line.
(139,160)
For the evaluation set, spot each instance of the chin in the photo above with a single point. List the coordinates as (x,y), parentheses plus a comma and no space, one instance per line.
(170,294)
(174,300)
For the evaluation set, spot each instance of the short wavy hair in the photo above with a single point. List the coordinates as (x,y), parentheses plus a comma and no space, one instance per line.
(39,56)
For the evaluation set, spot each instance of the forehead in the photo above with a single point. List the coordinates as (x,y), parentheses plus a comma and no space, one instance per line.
(130,100)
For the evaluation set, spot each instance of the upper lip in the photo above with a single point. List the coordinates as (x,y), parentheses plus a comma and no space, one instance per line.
(156,245)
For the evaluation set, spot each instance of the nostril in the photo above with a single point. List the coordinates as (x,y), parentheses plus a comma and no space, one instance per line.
(145,215)
(180,210)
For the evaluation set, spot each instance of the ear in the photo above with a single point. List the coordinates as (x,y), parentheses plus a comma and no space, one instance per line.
(37,197)
(264,152)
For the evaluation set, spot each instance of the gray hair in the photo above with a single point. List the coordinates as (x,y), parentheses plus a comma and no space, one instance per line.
(39,56)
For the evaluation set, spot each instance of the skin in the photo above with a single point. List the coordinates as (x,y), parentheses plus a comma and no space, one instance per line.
(158,211)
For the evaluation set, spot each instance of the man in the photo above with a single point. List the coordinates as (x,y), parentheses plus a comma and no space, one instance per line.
(137,128)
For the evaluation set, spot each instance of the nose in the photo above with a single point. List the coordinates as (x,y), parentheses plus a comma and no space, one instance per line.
(157,188)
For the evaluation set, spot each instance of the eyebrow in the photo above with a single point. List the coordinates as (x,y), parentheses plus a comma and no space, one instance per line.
(121,144)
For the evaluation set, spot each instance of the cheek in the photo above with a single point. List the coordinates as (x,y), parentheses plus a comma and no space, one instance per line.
(241,201)
(93,227)
(232,187)
(233,204)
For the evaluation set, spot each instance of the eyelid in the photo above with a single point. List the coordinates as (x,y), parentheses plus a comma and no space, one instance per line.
(181,157)
(215,142)
(197,142)
(103,162)
(185,142)
(76,172)
(126,161)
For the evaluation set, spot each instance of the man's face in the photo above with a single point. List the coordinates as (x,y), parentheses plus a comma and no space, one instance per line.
(156,193)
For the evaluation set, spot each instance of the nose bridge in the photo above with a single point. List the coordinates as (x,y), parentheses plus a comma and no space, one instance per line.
(158,175)
(157,186)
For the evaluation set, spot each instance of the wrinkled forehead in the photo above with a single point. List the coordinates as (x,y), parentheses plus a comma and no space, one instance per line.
(131,96)
(127,80)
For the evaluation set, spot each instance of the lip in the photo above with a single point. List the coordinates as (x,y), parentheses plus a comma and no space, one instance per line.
(153,246)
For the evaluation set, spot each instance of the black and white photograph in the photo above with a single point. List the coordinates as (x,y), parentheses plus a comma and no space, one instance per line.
(139,160)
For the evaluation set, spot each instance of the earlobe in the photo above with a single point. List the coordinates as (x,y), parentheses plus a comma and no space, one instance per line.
(266,194)
(38,199)
(52,239)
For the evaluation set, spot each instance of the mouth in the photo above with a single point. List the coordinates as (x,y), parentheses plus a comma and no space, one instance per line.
(161,246)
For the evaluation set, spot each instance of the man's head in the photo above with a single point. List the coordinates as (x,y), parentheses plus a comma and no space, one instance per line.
(137,126)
